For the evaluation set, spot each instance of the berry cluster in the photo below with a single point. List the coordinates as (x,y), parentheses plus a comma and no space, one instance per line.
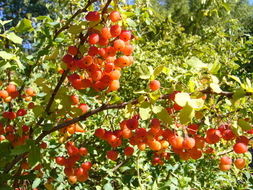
(109,51)
(74,173)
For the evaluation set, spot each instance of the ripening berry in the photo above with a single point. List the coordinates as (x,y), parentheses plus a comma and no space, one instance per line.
(154,85)
(103,41)
(114,16)
(192,129)
(86,165)
(72,179)
(112,155)
(9,129)
(75,99)
(224,167)
(83,151)
(240,163)
(188,143)
(93,51)
(25,128)
(240,148)
(127,133)
(225,160)
(3,94)
(195,153)
(11,88)
(93,16)
(105,33)
(119,45)
(31,105)
(128,151)
(72,50)
(122,61)
(109,67)
(242,139)
(125,35)
(114,85)
(30,92)
(176,142)
(128,50)
(132,123)
(115,30)
(68,59)
(93,39)
(21,112)
(83,107)
(43,145)
(60,160)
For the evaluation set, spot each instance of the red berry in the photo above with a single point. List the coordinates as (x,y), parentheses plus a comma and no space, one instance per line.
(93,39)
(112,155)
(225,160)
(128,151)
(93,16)
(115,30)
(125,35)
(240,148)
(240,163)
(154,85)
(114,16)
(83,151)
(73,50)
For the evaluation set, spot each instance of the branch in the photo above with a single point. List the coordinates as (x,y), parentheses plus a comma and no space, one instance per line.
(66,26)
(223,93)
(88,114)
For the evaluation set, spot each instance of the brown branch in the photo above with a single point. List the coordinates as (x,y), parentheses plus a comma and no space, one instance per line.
(88,114)
(223,93)
(66,26)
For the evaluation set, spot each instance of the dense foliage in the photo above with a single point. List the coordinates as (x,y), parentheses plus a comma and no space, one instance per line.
(122,95)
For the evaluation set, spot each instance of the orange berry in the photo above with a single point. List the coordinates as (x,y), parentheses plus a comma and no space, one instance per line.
(188,143)
(154,85)
(225,160)
(224,167)
(72,179)
(240,163)
(240,148)
(114,16)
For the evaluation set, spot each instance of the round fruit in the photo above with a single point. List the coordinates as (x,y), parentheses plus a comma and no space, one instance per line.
(154,85)
(240,148)
(240,163)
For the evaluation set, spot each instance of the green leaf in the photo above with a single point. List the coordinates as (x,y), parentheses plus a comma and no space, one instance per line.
(130,22)
(3,22)
(155,95)
(158,70)
(164,116)
(144,71)
(145,110)
(235,78)
(215,67)
(186,114)
(76,29)
(157,109)
(19,150)
(36,183)
(5,55)
(215,87)
(24,25)
(182,98)
(38,110)
(108,186)
(244,125)
(196,103)
(14,38)
(34,155)
(196,63)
